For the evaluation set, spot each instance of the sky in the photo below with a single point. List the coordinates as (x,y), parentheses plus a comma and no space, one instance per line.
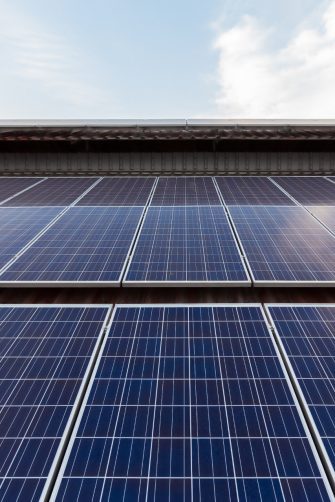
(126,59)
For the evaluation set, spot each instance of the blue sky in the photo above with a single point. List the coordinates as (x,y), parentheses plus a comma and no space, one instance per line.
(167,59)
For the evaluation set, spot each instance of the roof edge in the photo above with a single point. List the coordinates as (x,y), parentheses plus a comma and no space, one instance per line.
(129,123)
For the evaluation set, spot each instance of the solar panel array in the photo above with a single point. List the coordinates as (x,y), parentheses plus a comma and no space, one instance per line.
(307,334)
(176,231)
(45,354)
(167,402)
(190,403)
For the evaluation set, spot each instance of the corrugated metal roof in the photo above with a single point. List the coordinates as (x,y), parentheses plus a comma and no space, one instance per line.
(74,131)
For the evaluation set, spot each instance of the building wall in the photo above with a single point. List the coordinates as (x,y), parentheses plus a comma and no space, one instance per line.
(154,163)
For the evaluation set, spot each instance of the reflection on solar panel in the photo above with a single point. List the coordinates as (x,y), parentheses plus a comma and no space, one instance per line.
(190,403)
(115,191)
(11,186)
(18,226)
(87,244)
(308,190)
(326,214)
(308,337)
(191,244)
(185,190)
(53,192)
(45,353)
(251,190)
(286,245)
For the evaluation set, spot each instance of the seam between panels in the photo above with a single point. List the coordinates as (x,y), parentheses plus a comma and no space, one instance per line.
(236,237)
(190,401)
(33,240)
(137,234)
(22,191)
(44,229)
(133,338)
(304,207)
(94,184)
(57,469)
(320,454)
(261,407)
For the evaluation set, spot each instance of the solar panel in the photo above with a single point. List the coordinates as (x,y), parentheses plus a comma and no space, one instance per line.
(11,186)
(307,334)
(86,245)
(116,191)
(18,226)
(45,354)
(186,245)
(251,190)
(53,192)
(308,190)
(285,245)
(326,214)
(185,191)
(190,403)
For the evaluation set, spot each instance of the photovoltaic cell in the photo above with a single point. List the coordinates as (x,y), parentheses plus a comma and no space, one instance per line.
(190,403)
(308,190)
(185,191)
(179,244)
(53,192)
(44,353)
(308,336)
(116,191)
(285,245)
(18,226)
(326,214)
(251,190)
(11,186)
(87,244)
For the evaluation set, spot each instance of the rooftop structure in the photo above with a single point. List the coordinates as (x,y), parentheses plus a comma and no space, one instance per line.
(167,316)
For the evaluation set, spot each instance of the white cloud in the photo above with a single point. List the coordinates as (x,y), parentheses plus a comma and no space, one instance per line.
(30,54)
(295,81)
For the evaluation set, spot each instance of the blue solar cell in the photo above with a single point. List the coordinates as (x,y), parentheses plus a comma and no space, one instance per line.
(196,422)
(185,191)
(186,245)
(251,190)
(305,332)
(285,245)
(308,190)
(18,226)
(38,392)
(84,245)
